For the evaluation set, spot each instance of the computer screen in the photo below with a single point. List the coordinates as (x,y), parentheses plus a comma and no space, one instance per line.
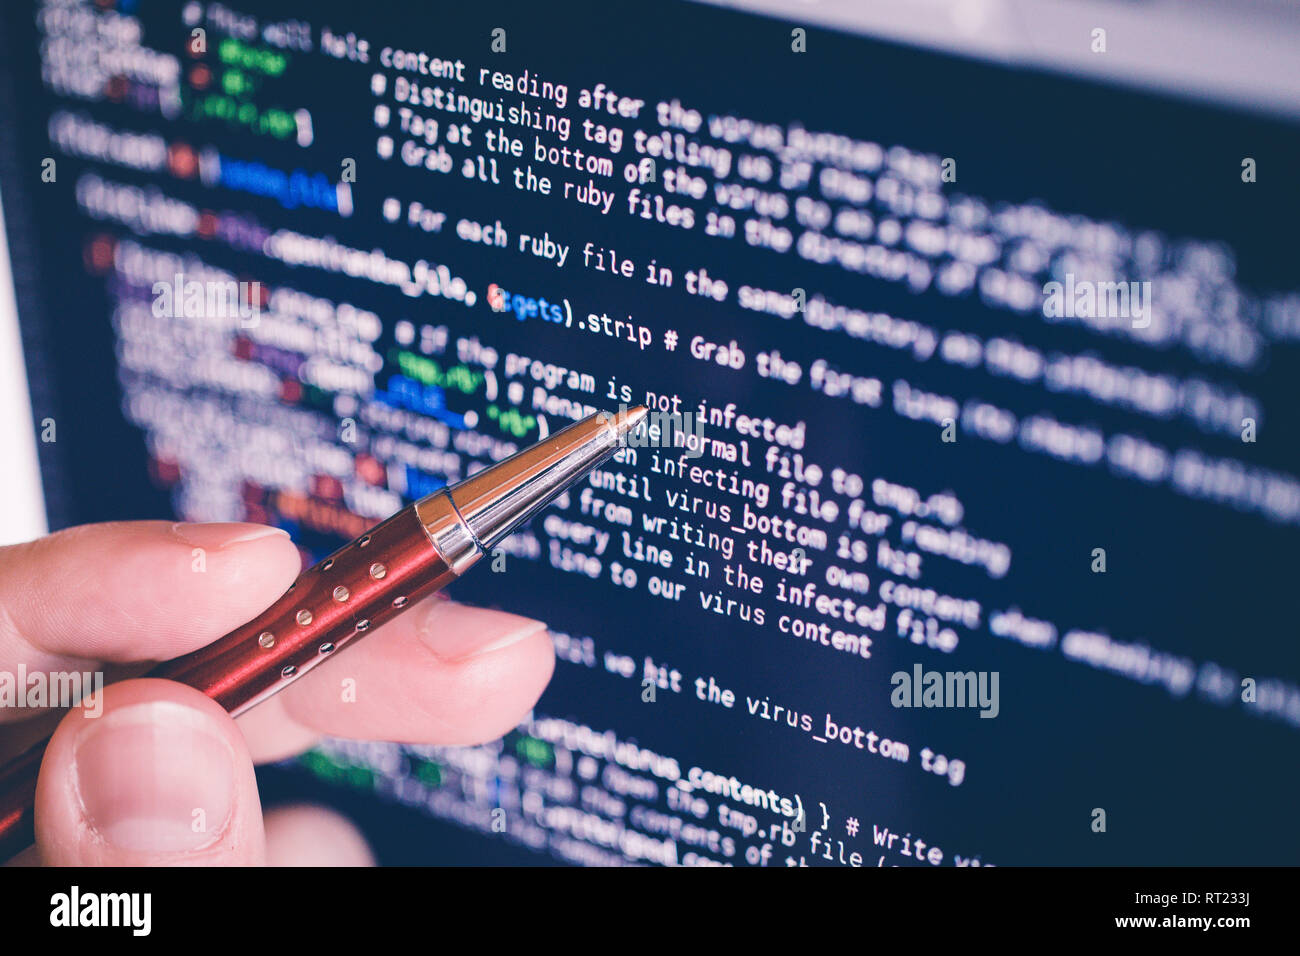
(967,531)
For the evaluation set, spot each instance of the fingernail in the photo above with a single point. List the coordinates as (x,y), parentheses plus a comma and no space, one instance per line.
(155,777)
(455,632)
(219,534)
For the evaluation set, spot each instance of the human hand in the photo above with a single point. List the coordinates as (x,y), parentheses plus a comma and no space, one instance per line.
(122,781)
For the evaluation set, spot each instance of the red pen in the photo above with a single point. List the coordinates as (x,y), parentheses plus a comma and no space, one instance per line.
(419,550)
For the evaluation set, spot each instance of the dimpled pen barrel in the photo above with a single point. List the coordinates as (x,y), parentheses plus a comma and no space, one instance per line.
(419,550)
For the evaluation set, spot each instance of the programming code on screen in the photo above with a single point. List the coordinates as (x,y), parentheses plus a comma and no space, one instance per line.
(972,375)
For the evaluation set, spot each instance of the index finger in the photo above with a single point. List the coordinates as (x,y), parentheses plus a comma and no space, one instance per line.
(132,591)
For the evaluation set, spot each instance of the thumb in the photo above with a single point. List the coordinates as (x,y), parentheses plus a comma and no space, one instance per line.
(162,777)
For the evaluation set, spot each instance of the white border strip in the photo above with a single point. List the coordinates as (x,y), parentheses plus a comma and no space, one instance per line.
(22,501)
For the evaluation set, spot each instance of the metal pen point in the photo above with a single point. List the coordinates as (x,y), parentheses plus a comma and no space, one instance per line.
(368,581)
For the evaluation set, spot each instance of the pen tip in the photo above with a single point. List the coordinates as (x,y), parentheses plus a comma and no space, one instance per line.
(626,420)
(495,501)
